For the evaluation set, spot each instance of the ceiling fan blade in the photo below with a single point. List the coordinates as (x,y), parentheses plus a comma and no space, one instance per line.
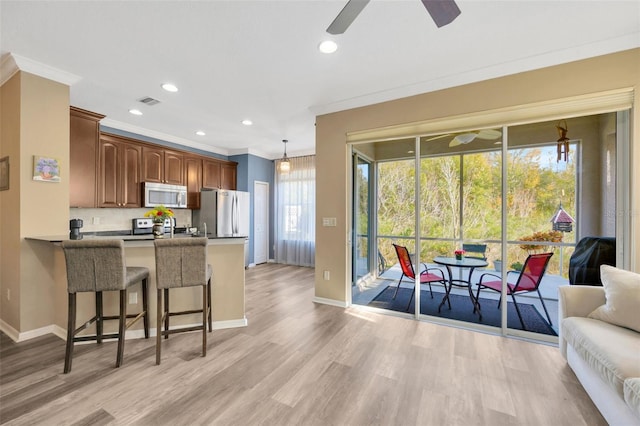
(438,137)
(442,12)
(346,16)
(489,134)
(462,139)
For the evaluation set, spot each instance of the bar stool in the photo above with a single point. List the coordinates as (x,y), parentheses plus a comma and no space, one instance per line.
(97,266)
(182,262)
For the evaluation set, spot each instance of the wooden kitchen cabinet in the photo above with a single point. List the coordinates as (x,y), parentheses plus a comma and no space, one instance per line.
(228,175)
(210,174)
(193,180)
(162,166)
(218,174)
(119,183)
(84,133)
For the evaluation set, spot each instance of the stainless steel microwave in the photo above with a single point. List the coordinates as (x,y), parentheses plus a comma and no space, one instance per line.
(168,195)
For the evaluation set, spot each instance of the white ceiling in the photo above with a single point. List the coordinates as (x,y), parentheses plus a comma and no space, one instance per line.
(258,59)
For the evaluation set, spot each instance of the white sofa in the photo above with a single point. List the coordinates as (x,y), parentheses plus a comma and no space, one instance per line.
(604,356)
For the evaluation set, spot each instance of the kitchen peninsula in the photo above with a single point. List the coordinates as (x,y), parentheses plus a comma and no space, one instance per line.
(226,256)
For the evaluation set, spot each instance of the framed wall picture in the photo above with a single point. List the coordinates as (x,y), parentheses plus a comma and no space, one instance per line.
(46,169)
(4,173)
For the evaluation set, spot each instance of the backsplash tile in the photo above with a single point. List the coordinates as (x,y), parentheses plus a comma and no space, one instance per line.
(119,219)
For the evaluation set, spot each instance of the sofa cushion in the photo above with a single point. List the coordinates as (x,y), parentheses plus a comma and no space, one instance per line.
(622,292)
(632,394)
(612,351)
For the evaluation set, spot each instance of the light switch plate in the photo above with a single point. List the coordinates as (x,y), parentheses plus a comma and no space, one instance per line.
(329,221)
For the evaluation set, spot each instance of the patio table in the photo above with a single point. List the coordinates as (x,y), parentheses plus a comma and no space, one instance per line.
(465,262)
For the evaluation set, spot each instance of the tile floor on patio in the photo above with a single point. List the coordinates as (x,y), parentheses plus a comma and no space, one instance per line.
(364,293)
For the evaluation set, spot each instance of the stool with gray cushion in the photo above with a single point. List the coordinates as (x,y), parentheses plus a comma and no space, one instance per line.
(182,262)
(97,266)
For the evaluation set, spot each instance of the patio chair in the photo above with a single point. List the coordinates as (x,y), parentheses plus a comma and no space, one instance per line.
(382,264)
(426,277)
(529,280)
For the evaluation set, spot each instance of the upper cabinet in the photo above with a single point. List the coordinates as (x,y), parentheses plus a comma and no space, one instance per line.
(228,172)
(162,166)
(84,133)
(107,170)
(218,174)
(119,183)
(193,180)
(211,174)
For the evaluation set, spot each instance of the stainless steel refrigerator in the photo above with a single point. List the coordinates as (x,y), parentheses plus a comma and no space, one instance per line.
(225,213)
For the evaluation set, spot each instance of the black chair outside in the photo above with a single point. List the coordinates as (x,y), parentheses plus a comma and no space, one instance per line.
(529,280)
(426,277)
(97,266)
(182,262)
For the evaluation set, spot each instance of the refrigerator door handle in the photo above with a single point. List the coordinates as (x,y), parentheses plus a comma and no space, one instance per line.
(234,215)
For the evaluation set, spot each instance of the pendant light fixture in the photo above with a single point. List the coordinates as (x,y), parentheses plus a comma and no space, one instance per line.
(285,165)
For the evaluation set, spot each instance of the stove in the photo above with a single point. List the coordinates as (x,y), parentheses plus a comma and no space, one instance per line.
(144,225)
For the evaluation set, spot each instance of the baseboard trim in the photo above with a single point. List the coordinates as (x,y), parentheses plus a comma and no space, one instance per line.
(17,337)
(9,331)
(331,302)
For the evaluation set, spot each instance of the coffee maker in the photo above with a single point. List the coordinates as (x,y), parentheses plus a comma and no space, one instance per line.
(74,229)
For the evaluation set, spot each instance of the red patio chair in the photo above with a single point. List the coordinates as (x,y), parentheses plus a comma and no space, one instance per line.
(528,281)
(407,271)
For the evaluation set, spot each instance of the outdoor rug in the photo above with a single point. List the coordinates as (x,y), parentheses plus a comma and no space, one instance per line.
(462,309)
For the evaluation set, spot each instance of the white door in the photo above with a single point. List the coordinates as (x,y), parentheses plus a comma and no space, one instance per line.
(260,222)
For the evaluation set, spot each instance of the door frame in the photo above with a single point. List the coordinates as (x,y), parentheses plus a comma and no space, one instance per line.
(257,184)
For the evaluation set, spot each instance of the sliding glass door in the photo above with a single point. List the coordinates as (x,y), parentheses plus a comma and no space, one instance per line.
(514,198)
(362,255)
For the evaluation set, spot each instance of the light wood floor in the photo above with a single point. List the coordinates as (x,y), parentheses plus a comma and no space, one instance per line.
(297,363)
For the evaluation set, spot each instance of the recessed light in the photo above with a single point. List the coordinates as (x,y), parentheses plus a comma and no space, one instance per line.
(169,87)
(328,46)
(200,133)
(135,111)
(247,122)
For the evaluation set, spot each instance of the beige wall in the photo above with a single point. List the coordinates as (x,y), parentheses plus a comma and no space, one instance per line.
(35,122)
(621,70)
(10,203)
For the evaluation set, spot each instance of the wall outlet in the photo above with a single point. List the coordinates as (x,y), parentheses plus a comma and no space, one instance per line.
(133,298)
(8,294)
(95,220)
(326,275)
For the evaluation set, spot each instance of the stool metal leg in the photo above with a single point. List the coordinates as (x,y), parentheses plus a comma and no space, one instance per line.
(99,315)
(209,305)
(166,312)
(158,325)
(71,326)
(122,326)
(204,319)
(145,307)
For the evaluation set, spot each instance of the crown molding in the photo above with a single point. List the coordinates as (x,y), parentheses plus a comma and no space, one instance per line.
(12,63)
(161,136)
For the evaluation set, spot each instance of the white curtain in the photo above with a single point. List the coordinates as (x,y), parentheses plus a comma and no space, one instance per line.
(295,212)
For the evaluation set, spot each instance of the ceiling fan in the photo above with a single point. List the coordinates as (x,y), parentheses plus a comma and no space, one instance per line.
(468,137)
(442,12)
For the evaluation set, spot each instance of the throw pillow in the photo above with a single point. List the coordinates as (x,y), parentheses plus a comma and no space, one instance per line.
(622,293)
